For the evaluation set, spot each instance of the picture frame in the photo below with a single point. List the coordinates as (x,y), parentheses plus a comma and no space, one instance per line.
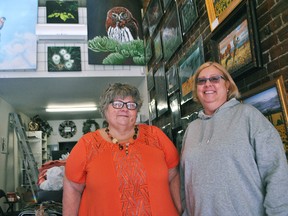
(236,45)
(161,91)
(152,109)
(158,50)
(150,79)
(62,59)
(154,14)
(145,26)
(4,146)
(179,139)
(218,11)
(174,104)
(172,80)
(171,32)
(148,50)
(166,4)
(271,100)
(188,15)
(187,66)
(187,119)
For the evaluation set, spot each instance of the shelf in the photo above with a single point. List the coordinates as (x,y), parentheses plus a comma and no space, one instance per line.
(61,31)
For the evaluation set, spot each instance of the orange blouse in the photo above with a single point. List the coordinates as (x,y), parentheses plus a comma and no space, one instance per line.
(118,184)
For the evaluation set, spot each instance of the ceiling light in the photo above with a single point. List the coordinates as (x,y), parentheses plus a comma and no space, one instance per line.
(71,109)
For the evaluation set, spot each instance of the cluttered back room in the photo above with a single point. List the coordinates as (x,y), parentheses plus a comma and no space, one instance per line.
(63,54)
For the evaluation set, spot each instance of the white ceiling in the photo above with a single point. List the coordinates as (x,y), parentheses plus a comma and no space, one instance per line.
(32,95)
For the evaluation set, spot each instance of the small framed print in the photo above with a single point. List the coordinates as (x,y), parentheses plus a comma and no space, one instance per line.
(188,15)
(148,50)
(174,103)
(154,14)
(150,79)
(152,109)
(172,80)
(168,131)
(158,51)
(188,66)
(161,91)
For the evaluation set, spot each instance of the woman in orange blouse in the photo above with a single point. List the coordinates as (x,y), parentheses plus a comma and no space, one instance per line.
(124,169)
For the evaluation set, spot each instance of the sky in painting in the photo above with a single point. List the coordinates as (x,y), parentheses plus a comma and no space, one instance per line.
(17,36)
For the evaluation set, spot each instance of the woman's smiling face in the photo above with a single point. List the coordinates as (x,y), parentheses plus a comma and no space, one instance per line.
(212,95)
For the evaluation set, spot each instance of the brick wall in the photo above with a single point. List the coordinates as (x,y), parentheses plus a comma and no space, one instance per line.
(272,21)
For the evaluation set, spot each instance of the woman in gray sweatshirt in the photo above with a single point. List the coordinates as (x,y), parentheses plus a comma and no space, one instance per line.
(232,161)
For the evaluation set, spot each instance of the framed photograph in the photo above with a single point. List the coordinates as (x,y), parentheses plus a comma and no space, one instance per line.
(64,59)
(171,33)
(187,119)
(237,45)
(166,4)
(179,139)
(152,109)
(161,91)
(218,10)
(187,66)
(150,79)
(148,50)
(271,100)
(168,131)
(188,15)
(172,80)
(174,103)
(62,11)
(158,51)
(145,26)
(154,14)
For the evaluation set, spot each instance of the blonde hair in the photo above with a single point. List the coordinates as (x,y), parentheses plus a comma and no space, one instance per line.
(233,89)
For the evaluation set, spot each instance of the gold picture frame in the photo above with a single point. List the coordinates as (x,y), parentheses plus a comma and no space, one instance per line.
(218,10)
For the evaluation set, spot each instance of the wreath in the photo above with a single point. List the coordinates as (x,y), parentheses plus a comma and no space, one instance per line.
(87,126)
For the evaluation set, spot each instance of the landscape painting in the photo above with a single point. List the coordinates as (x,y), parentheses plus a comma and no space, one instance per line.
(18,41)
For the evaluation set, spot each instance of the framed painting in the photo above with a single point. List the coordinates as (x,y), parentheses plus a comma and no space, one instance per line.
(188,15)
(154,14)
(62,12)
(179,139)
(166,4)
(111,42)
(187,66)
(152,109)
(161,91)
(150,79)
(187,119)
(237,45)
(167,129)
(158,50)
(145,26)
(271,100)
(18,40)
(172,80)
(218,10)
(148,50)
(64,59)
(174,103)
(171,33)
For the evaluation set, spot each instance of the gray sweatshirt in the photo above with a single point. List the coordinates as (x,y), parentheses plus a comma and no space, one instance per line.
(233,163)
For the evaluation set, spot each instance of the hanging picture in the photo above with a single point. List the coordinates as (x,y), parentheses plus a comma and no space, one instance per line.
(152,109)
(167,129)
(158,50)
(271,100)
(115,33)
(166,4)
(62,11)
(188,15)
(64,59)
(171,33)
(188,66)
(148,50)
(150,79)
(237,45)
(161,91)
(154,14)
(172,80)
(18,41)
(174,103)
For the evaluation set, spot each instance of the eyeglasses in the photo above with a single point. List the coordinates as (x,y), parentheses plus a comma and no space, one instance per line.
(120,104)
(212,79)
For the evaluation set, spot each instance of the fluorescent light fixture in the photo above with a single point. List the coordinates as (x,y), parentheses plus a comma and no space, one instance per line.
(71,109)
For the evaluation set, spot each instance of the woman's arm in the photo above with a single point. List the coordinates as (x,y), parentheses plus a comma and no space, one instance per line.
(72,193)
(174,183)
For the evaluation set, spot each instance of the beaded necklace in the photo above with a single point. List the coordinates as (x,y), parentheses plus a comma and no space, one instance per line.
(120,145)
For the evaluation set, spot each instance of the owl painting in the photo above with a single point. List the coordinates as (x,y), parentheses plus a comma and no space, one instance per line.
(121,25)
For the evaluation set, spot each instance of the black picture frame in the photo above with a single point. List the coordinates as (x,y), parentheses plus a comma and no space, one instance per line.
(179,139)
(161,91)
(236,43)
(152,109)
(158,49)
(271,100)
(154,14)
(150,79)
(148,50)
(187,66)
(171,32)
(172,80)
(174,104)
(166,4)
(188,15)
(167,129)
(145,26)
